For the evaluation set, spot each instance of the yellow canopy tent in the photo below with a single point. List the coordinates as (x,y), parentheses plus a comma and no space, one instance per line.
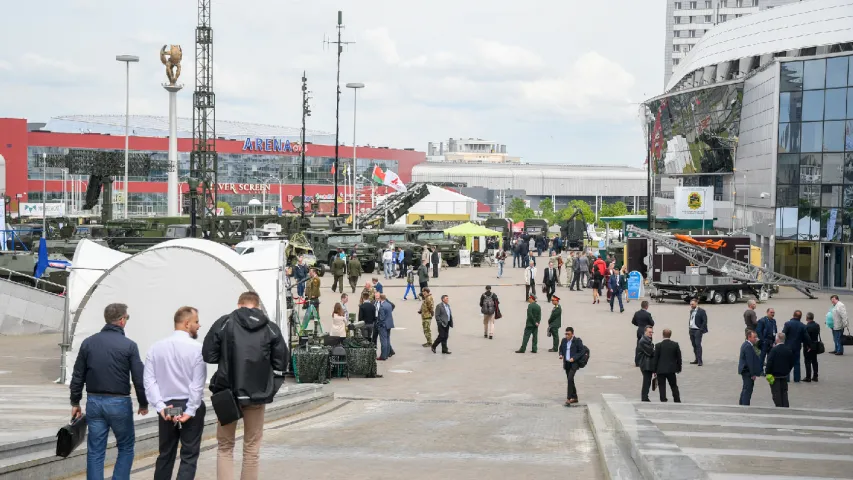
(469,231)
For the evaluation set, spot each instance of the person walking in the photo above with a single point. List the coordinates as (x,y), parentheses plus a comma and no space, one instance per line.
(582,270)
(555,322)
(385,323)
(642,319)
(516,259)
(410,282)
(387,263)
(488,307)
(339,268)
(597,279)
(797,338)
(423,276)
(300,273)
(766,331)
(667,364)
(839,324)
(549,280)
(698,325)
(248,349)
(444,321)
(353,271)
(571,351)
(531,327)
(400,263)
(570,270)
(811,350)
(560,263)
(106,363)
(500,256)
(749,316)
(435,259)
(748,366)
(644,359)
(530,281)
(426,311)
(367,314)
(617,286)
(780,361)
(175,375)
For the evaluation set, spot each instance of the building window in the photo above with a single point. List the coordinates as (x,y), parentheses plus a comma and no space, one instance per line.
(675,61)
(708,4)
(814,74)
(791,76)
(676,48)
(754,3)
(692,33)
(724,3)
(692,5)
(836,72)
(722,18)
(676,33)
(677,20)
(707,19)
(690,20)
(738,3)
(835,104)
(678,5)
(738,15)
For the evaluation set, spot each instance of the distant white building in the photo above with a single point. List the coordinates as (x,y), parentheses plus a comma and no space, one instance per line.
(469,150)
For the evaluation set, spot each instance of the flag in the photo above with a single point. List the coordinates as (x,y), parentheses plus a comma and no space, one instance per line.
(378,175)
(393,181)
(41,264)
(333,169)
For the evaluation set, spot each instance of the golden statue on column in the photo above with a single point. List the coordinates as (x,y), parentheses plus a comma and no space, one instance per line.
(172,60)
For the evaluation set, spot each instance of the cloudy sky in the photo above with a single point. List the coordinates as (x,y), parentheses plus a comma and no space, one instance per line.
(557,81)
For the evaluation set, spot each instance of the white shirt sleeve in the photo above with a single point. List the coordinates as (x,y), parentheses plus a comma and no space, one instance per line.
(197,386)
(152,390)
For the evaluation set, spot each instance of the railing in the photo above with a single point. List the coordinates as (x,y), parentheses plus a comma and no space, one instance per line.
(35,281)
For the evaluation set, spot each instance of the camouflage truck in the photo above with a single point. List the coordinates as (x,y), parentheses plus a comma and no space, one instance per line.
(327,242)
(449,248)
(381,238)
(67,245)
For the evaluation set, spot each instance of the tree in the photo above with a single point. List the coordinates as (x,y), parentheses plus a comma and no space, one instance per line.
(518,211)
(226,209)
(613,210)
(546,207)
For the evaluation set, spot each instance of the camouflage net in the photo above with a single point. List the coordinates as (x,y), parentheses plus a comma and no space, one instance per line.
(311,366)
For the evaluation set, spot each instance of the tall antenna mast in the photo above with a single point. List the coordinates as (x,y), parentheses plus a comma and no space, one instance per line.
(306,112)
(340,44)
(203,161)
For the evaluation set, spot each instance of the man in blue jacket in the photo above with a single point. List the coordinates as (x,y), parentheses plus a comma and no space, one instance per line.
(749,366)
(795,337)
(385,323)
(106,363)
(766,330)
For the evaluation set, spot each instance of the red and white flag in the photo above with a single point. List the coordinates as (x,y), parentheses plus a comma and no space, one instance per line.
(393,181)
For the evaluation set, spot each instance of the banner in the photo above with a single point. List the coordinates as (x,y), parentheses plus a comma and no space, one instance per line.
(635,285)
(464,257)
(694,203)
(36,209)
(2,223)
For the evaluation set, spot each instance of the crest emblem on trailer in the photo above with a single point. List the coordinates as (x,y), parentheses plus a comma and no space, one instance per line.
(694,201)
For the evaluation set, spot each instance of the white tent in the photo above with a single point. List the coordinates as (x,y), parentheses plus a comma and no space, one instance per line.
(442,201)
(156,282)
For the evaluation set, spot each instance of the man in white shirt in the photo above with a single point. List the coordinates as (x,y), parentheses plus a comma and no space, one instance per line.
(388,262)
(175,376)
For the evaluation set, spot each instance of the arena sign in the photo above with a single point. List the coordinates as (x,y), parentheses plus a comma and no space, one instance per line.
(271,145)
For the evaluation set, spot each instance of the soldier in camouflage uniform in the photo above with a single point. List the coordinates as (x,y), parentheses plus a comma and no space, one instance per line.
(368,289)
(354,271)
(339,267)
(427,308)
(554,322)
(534,317)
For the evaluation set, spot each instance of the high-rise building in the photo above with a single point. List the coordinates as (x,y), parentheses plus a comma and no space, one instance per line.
(469,150)
(688,20)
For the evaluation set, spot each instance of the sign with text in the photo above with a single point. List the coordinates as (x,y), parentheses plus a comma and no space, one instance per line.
(635,285)
(464,257)
(694,203)
(243,188)
(38,209)
(271,145)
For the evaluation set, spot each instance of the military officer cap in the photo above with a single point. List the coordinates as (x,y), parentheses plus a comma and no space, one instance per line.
(554,297)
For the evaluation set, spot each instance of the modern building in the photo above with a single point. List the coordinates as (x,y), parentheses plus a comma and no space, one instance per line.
(761,110)
(255,161)
(469,150)
(687,21)
(593,184)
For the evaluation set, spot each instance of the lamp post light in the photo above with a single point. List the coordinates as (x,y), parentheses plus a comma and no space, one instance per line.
(127,59)
(44,195)
(354,87)
(254,203)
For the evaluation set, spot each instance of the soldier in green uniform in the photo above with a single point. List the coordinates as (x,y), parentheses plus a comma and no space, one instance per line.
(426,311)
(339,267)
(554,322)
(312,289)
(354,271)
(534,316)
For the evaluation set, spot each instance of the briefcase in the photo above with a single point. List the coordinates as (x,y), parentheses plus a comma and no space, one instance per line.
(70,436)
(226,407)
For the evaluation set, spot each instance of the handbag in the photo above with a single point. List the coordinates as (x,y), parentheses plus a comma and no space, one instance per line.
(226,407)
(70,436)
(818,346)
(847,339)
(654,383)
(498,314)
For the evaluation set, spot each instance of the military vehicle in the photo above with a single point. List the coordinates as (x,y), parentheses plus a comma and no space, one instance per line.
(20,267)
(66,246)
(573,231)
(299,245)
(449,248)
(502,225)
(327,242)
(536,227)
(381,238)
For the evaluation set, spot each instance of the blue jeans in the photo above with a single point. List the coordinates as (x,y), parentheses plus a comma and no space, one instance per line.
(500,269)
(385,339)
(102,414)
(746,391)
(300,288)
(410,288)
(839,344)
(389,269)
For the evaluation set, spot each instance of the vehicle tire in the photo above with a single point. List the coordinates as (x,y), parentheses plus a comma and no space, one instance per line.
(687,298)
(717,298)
(731,297)
(368,267)
(453,262)
(321,268)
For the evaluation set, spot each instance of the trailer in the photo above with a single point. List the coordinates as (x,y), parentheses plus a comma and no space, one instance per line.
(697,283)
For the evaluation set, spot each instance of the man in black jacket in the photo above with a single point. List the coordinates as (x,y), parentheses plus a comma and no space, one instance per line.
(645,360)
(642,319)
(810,348)
(248,349)
(549,279)
(571,351)
(796,337)
(698,324)
(667,363)
(105,363)
(367,314)
(748,366)
(780,361)
(435,260)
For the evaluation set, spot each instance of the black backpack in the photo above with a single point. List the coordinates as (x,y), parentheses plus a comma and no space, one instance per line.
(582,361)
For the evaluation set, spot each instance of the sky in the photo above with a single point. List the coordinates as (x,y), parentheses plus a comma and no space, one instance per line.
(556,81)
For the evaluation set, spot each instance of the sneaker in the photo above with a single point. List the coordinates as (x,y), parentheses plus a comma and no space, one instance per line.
(807,380)
(485,335)
(490,337)
(426,345)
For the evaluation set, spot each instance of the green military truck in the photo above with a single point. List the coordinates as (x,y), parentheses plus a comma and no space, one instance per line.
(380,239)
(327,242)
(449,248)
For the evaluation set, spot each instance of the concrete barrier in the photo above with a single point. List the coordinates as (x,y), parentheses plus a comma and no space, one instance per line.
(25,310)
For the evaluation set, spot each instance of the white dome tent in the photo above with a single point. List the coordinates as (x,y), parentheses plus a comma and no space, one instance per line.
(156,282)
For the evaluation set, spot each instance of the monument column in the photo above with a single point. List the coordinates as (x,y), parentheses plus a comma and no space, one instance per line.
(171,58)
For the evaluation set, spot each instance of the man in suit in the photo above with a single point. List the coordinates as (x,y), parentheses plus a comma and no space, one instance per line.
(534,317)
(698,324)
(385,323)
(795,337)
(434,259)
(617,285)
(571,350)
(576,273)
(642,319)
(766,330)
(667,363)
(749,366)
(644,358)
(780,361)
(549,279)
(444,319)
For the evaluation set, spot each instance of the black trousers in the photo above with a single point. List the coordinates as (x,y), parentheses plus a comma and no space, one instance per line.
(810,359)
(190,437)
(443,334)
(571,369)
(647,383)
(368,332)
(696,341)
(779,390)
(550,288)
(663,378)
(529,289)
(576,278)
(435,270)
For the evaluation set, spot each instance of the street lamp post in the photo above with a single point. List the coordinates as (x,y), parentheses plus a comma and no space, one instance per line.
(354,87)
(127,59)
(254,203)
(44,195)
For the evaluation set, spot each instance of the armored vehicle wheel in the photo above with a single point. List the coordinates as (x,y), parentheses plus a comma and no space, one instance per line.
(368,267)
(453,262)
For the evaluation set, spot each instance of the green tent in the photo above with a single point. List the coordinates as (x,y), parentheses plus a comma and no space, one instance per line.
(469,231)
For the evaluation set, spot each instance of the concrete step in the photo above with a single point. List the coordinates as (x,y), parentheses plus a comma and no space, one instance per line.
(35,458)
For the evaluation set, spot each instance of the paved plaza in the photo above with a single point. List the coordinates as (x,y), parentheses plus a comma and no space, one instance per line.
(484,408)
